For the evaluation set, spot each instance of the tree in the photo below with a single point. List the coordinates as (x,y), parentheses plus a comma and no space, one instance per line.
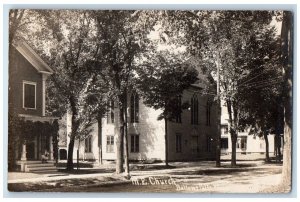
(71,77)
(287,63)
(17,24)
(160,81)
(66,40)
(84,46)
(122,36)
(218,38)
(260,91)
(98,99)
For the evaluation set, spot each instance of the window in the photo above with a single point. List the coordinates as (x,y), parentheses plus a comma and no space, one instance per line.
(224,143)
(110,144)
(208,144)
(208,108)
(178,112)
(194,110)
(243,143)
(178,143)
(134,108)
(226,130)
(134,143)
(195,144)
(88,144)
(238,143)
(29,95)
(111,112)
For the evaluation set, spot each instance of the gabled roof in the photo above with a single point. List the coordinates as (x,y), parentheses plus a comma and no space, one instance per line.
(32,57)
(202,78)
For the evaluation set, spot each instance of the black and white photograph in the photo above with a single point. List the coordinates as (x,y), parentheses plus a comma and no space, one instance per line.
(152,101)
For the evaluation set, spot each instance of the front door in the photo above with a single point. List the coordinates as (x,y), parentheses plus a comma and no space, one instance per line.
(195,145)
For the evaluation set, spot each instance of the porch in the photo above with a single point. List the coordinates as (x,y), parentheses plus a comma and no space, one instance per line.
(34,136)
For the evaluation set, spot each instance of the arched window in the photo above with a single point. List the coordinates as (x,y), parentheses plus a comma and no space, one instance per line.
(88,145)
(208,108)
(134,108)
(178,112)
(111,112)
(194,110)
(134,143)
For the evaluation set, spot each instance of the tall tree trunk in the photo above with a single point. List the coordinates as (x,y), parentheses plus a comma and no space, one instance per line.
(278,130)
(120,140)
(70,164)
(233,148)
(233,133)
(278,146)
(267,146)
(99,120)
(287,158)
(126,153)
(77,154)
(74,127)
(166,143)
(287,59)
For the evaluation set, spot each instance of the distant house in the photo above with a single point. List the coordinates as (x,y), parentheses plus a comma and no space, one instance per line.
(246,144)
(27,93)
(191,135)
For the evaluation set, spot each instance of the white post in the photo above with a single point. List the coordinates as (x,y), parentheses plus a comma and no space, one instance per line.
(51,148)
(36,147)
(23,155)
(44,77)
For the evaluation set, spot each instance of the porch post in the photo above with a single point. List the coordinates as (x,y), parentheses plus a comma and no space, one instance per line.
(23,155)
(51,148)
(36,147)
(44,77)
(40,146)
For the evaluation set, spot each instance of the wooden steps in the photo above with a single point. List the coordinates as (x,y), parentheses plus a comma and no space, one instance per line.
(40,167)
(37,166)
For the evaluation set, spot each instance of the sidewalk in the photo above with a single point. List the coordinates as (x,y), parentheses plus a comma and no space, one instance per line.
(31,177)
(136,169)
(248,176)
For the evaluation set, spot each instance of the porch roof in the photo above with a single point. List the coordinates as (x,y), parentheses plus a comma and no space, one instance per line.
(34,118)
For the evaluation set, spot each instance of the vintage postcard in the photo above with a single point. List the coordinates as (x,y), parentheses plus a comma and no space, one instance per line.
(172,101)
